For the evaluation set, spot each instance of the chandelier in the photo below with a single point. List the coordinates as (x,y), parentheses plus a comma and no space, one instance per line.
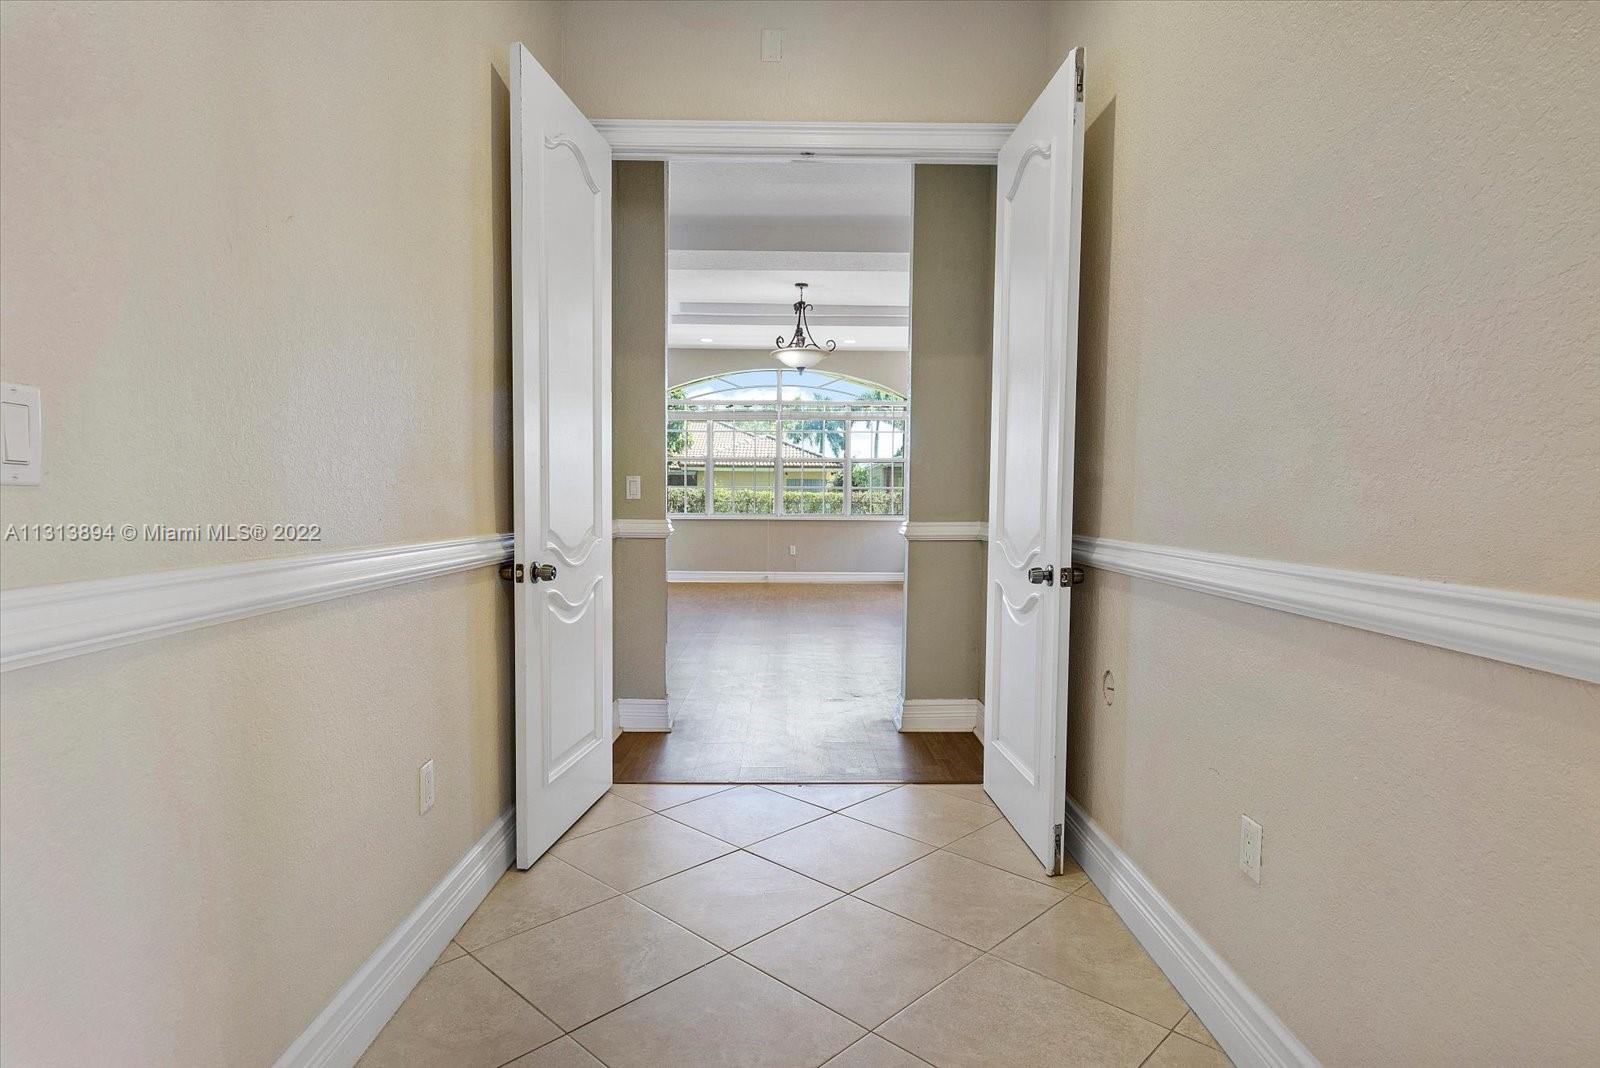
(802,350)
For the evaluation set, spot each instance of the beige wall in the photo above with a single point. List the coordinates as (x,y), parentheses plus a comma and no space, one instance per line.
(952,286)
(905,61)
(638,439)
(256,256)
(1339,266)
(763,545)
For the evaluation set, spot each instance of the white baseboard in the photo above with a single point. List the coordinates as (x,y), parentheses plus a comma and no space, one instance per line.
(944,714)
(343,1031)
(643,714)
(785,576)
(977,725)
(1241,1022)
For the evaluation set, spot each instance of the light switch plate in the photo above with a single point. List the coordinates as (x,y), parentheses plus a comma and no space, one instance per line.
(772,46)
(633,487)
(21,428)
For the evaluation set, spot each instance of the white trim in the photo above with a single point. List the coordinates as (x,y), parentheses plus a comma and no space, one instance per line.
(343,1030)
(643,714)
(641,528)
(914,142)
(785,576)
(962,531)
(1241,1022)
(939,714)
(1555,634)
(977,722)
(44,623)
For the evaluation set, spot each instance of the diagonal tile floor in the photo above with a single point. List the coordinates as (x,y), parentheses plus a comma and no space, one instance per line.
(848,926)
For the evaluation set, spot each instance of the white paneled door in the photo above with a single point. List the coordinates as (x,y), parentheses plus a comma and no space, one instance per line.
(561,450)
(1038,210)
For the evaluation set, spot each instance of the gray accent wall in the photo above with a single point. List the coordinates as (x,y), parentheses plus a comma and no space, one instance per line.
(952,297)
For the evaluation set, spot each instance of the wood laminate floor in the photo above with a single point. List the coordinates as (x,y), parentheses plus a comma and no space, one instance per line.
(775,682)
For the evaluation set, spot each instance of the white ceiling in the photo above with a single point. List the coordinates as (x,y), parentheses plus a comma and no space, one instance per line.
(741,234)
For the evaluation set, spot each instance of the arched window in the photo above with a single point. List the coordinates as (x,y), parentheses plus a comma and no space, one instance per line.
(771,442)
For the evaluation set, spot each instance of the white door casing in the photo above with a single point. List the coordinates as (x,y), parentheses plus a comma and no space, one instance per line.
(561,449)
(1037,221)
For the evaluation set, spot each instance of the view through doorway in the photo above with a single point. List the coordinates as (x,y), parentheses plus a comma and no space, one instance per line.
(787,482)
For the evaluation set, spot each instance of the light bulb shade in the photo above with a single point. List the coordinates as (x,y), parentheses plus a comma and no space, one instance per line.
(800,357)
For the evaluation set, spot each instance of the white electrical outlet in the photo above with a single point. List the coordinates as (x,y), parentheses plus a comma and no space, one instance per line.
(794,550)
(425,787)
(1250,848)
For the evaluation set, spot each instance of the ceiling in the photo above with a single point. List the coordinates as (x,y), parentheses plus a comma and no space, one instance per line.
(740,235)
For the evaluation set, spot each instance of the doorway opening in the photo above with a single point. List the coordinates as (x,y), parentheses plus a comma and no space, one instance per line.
(788,478)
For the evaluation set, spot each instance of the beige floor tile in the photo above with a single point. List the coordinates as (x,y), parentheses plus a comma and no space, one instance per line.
(562,1053)
(859,960)
(874,1052)
(656,796)
(726,1013)
(842,852)
(967,792)
(631,854)
(1180,1052)
(1092,892)
(1191,1027)
(746,814)
(833,795)
(1085,945)
(609,811)
(459,1014)
(580,966)
(521,900)
(450,952)
(735,898)
(999,846)
(924,813)
(994,1013)
(964,899)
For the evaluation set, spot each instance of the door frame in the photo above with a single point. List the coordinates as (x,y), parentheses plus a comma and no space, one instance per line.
(754,141)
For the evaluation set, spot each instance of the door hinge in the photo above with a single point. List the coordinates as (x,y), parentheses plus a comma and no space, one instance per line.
(1060,858)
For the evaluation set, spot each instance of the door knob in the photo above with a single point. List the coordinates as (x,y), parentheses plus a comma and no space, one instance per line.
(1042,576)
(542,572)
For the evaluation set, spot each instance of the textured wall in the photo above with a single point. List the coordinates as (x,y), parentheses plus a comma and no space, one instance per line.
(1339,276)
(638,440)
(257,257)
(952,299)
(904,60)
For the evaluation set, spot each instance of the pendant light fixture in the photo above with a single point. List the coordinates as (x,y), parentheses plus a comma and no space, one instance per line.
(802,350)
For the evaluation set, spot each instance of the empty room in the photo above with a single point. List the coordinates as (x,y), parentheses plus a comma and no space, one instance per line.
(865,533)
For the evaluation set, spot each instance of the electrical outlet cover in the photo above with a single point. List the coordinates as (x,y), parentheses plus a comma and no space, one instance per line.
(425,787)
(1250,848)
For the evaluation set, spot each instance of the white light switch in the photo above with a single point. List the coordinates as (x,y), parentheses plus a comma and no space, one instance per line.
(633,487)
(20,429)
(772,46)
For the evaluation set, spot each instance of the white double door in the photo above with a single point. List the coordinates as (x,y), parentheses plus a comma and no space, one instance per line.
(1037,221)
(561,456)
(561,400)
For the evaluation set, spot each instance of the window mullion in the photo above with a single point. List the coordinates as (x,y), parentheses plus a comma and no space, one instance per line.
(777,452)
(849,467)
(711,474)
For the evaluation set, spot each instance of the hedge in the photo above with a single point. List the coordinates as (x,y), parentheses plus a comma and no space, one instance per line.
(691,500)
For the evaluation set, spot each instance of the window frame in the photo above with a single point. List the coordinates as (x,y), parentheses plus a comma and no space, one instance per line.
(778,414)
